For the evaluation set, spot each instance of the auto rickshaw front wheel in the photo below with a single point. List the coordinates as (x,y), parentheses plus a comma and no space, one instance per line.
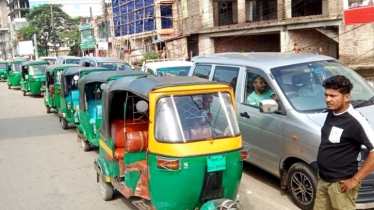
(64,123)
(48,109)
(24,93)
(85,145)
(106,190)
(9,86)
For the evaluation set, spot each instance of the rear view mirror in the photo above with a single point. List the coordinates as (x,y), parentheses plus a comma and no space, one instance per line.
(268,106)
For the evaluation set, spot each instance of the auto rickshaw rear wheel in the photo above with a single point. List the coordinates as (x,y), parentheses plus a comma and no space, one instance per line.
(9,86)
(85,145)
(64,123)
(48,109)
(24,93)
(106,189)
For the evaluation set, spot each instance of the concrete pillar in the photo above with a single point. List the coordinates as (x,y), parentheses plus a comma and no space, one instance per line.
(285,40)
(206,7)
(325,7)
(241,11)
(288,8)
(206,45)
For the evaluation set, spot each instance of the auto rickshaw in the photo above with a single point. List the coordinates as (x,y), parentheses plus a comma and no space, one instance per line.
(69,97)
(3,71)
(14,73)
(173,142)
(53,86)
(90,104)
(33,77)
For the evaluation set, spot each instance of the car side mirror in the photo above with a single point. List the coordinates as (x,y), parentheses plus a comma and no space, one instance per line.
(268,106)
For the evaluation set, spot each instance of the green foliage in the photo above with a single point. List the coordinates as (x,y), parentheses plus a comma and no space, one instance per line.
(74,50)
(151,55)
(39,18)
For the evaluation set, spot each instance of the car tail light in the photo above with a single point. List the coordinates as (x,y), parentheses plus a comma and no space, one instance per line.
(244,153)
(58,91)
(168,164)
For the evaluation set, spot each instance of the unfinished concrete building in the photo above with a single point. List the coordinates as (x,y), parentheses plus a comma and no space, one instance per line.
(275,26)
(17,13)
(5,43)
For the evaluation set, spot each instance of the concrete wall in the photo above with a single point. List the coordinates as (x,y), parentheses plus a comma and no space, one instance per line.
(257,43)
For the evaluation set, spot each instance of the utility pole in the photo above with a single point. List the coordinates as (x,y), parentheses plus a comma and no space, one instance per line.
(53,30)
(36,48)
(90,14)
(105,21)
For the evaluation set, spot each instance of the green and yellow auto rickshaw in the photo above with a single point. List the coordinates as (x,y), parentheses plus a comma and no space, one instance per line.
(3,71)
(173,142)
(69,98)
(90,104)
(33,77)
(53,86)
(14,73)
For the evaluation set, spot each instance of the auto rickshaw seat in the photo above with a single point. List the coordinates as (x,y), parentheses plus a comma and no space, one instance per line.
(117,133)
(203,132)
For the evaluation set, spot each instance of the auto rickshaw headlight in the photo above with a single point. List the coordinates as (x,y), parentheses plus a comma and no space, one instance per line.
(168,164)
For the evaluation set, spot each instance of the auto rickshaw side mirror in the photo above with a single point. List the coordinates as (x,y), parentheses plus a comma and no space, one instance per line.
(102,86)
(142,106)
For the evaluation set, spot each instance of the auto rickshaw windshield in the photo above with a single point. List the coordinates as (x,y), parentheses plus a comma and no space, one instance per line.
(195,117)
(2,66)
(16,67)
(37,69)
(115,66)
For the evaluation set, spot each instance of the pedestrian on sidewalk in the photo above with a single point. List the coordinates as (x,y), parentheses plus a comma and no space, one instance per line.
(318,51)
(344,132)
(296,48)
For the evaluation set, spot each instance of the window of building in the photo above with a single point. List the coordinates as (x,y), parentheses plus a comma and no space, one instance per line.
(259,10)
(166,16)
(225,12)
(306,7)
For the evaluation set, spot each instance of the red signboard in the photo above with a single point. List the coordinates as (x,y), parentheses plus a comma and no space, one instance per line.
(359,15)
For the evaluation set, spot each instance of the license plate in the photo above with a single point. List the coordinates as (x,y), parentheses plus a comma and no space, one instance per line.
(216,163)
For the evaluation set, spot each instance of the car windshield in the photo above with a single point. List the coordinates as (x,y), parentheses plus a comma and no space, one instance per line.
(16,67)
(195,117)
(115,66)
(37,69)
(72,61)
(302,84)
(173,71)
(2,66)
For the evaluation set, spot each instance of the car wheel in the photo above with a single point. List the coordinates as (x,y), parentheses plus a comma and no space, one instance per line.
(48,109)
(64,123)
(106,190)
(302,184)
(85,145)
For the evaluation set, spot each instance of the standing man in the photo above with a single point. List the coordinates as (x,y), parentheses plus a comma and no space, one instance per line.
(342,135)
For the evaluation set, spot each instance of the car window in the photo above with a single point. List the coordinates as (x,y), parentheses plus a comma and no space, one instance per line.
(92,64)
(202,71)
(149,70)
(86,64)
(256,89)
(226,74)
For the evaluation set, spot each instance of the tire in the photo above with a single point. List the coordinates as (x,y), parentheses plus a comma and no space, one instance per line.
(9,86)
(64,123)
(24,93)
(302,185)
(105,189)
(85,145)
(48,109)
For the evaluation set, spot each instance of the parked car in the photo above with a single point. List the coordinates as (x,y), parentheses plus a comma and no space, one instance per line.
(109,63)
(68,60)
(168,68)
(51,60)
(284,135)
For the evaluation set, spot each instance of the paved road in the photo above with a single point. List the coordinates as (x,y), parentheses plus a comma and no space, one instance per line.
(43,167)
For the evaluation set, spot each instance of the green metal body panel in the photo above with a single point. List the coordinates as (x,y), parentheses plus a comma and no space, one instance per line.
(109,167)
(173,189)
(87,129)
(34,87)
(3,75)
(71,115)
(14,77)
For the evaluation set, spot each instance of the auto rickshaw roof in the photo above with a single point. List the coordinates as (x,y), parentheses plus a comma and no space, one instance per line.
(26,63)
(142,86)
(103,59)
(53,67)
(75,69)
(1,62)
(18,61)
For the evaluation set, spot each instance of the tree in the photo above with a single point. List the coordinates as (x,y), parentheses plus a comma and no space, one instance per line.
(40,23)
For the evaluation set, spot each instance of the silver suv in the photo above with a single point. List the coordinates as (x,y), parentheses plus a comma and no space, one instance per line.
(283,129)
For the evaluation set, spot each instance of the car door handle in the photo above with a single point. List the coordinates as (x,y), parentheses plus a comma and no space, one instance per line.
(244,114)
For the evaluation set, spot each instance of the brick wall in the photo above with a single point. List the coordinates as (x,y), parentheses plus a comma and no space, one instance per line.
(356,44)
(258,43)
(309,40)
